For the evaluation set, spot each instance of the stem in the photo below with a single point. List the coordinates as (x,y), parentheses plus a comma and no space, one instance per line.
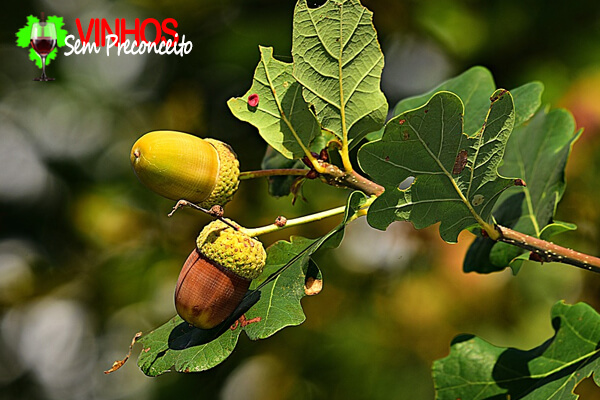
(294,222)
(216,211)
(345,154)
(272,172)
(43,67)
(352,180)
(548,251)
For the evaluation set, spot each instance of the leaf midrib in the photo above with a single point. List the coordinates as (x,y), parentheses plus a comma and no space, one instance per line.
(443,169)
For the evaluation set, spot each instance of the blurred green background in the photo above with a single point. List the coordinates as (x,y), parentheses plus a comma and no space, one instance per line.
(88,256)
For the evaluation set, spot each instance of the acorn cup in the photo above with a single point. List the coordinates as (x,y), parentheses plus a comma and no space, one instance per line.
(178,166)
(217,275)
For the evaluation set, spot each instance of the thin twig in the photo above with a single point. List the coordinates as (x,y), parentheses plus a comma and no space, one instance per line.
(119,363)
(548,251)
(213,212)
(273,172)
(294,222)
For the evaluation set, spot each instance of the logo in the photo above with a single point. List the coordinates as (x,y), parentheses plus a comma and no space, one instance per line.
(44,37)
(149,35)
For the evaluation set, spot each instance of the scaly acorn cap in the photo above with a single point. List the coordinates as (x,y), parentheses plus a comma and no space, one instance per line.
(227,178)
(232,249)
(178,165)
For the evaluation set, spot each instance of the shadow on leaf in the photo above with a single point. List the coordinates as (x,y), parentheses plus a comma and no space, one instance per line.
(512,372)
(185,335)
(478,255)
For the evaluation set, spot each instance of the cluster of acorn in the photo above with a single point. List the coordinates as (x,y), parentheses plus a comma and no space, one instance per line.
(217,274)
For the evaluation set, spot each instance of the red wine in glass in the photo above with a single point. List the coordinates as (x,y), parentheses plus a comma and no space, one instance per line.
(43,45)
(43,41)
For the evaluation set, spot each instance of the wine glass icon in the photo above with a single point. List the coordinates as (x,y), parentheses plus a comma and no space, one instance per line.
(43,41)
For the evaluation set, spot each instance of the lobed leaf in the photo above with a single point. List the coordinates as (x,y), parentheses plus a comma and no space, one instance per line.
(281,115)
(476,369)
(474,87)
(338,61)
(180,347)
(282,306)
(538,153)
(174,346)
(456,178)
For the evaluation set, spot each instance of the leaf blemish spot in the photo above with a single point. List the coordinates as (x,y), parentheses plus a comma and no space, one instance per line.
(477,200)
(460,163)
(402,121)
(493,99)
(405,135)
(313,286)
(243,322)
(387,158)
(520,182)
(253,100)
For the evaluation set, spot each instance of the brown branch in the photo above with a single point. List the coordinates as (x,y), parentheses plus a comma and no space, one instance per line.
(548,251)
(541,250)
(334,176)
(331,174)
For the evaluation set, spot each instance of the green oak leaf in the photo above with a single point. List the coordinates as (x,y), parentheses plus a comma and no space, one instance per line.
(176,346)
(282,116)
(474,87)
(428,144)
(159,353)
(538,153)
(528,99)
(338,61)
(478,370)
(281,307)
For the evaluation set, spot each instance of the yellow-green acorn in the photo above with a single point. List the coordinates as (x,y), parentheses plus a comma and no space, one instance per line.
(217,274)
(178,165)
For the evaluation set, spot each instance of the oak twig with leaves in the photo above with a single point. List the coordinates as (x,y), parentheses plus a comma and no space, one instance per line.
(481,158)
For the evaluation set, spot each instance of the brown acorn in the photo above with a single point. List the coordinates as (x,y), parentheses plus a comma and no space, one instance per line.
(217,274)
